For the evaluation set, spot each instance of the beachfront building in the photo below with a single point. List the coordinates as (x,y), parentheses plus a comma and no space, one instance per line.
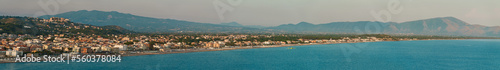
(121,47)
(13,53)
(75,50)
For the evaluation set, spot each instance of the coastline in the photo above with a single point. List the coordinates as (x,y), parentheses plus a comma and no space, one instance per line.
(246,47)
(253,47)
(265,46)
(222,49)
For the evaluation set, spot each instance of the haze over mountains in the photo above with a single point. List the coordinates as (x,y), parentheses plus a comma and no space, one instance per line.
(432,26)
(146,24)
(239,25)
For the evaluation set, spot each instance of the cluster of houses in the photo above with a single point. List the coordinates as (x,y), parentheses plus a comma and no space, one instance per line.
(12,44)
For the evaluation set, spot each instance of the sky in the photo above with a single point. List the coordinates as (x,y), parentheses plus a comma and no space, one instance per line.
(271,12)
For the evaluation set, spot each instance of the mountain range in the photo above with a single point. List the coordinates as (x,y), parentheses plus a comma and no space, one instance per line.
(147,24)
(432,26)
(240,25)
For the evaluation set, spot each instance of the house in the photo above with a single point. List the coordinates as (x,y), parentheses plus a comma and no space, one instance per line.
(121,47)
(115,50)
(85,50)
(75,50)
(36,49)
(48,47)
(106,49)
(156,46)
(165,50)
(13,53)
(23,49)
(96,49)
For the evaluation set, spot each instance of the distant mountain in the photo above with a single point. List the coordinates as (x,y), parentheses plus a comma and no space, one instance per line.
(334,27)
(255,26)
(445,26)
(146,24)
(36,26)
(433,26)
(231,24)
(239,25)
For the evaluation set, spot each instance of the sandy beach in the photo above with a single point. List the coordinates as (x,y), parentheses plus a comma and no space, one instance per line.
(222,49)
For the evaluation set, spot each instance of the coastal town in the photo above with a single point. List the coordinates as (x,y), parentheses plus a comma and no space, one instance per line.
(12,45)
(249,35)
(60,36)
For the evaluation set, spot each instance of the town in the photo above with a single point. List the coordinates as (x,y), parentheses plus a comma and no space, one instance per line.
(59,36)
(12,45)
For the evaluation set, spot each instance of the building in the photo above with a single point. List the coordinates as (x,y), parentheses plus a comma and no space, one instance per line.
(121,47)
(75,50)
(36,49)
(48,47)
(13,53)
(106,49)
(85,50)
(115,50)
(165,50)
(23,49)
(96,49)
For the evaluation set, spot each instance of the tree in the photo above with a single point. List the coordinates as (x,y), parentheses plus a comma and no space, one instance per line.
(57,51)
(128,43)
(231,43)
(46,52)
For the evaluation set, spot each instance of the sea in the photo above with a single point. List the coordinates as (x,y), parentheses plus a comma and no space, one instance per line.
(473,54)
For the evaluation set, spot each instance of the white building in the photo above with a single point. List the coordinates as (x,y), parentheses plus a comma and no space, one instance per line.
(266,43)
(13,53)
(75,50)
(156,46)
(106,48)
(96,49)
(121,47)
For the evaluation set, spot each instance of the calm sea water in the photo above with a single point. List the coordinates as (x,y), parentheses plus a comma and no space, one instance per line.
(414,55)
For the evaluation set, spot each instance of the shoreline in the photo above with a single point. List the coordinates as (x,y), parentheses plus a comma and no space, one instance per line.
(246,47)
(266,46)
(222,49)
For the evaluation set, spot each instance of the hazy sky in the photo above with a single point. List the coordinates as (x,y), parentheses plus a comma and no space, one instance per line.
(270,12)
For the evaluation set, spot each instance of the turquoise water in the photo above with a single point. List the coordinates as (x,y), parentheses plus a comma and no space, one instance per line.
(413,55)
